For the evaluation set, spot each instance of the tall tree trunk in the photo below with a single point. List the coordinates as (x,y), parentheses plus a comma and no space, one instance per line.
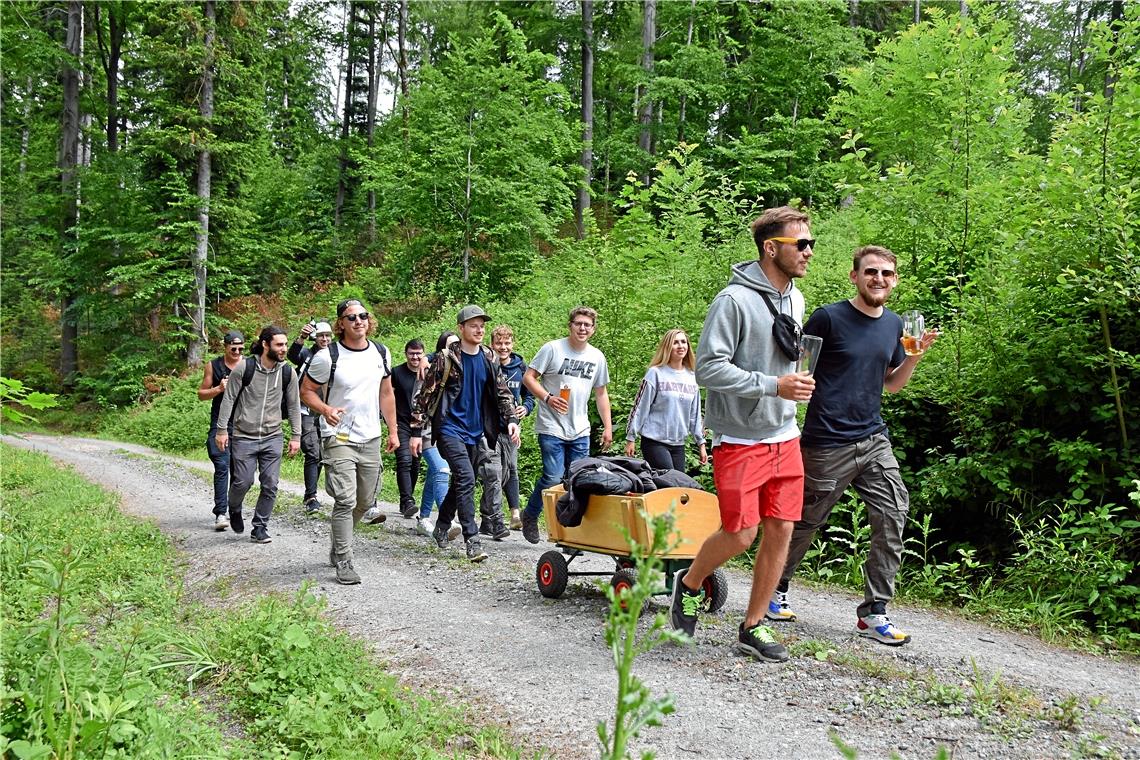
(917,11)
(110,55)
(26,128)
(375,58)
(68,158)
(645,111)
(583,204)
(688,42)
(346,123)
(467,200)
(852,13)
(198,340)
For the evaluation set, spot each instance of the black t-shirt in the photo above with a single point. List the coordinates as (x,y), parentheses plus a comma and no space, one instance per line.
(857,352)
(403,382)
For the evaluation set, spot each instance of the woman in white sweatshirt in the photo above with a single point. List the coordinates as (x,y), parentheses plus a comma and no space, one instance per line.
(667,409)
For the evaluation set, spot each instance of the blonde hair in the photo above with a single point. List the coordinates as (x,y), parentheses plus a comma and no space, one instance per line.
(502,331)
(665,349)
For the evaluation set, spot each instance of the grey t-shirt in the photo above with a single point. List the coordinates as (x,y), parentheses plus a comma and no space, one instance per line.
(582,371)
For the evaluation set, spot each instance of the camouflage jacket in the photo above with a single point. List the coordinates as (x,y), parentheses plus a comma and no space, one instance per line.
(497,402)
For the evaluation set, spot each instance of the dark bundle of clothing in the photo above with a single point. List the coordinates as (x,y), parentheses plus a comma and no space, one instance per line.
(612,475)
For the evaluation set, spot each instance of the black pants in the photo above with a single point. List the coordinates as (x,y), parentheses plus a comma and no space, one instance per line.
(462,458)
(662,456)
(407,469)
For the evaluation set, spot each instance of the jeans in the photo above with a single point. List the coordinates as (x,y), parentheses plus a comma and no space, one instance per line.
(557,456)
(352,479)
(407,470)
(663,456)
(462,458)
(870,466)
(221,460)
(264,456)
(435,482)
(311,448)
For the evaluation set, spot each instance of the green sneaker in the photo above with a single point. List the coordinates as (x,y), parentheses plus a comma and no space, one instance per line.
(759,642)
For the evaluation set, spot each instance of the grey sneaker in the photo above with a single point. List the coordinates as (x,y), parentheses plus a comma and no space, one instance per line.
(475,552)
(686,605)
(374,516)
(345,573)
(760,642)
(442,538)
(259,535)
(530,529)
(424,526)
(221,522)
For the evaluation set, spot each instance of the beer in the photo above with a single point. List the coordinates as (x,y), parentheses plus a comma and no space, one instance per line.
(564,392)
(914,327)
(344,427)
(910,345)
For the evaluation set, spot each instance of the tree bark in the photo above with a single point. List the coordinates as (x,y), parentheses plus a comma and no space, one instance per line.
(917,11)
(111,53)
(645,111)
(688,42)
(68,158)
(198,340)
(402,63)
(583,202)
(346,122)
(375,59)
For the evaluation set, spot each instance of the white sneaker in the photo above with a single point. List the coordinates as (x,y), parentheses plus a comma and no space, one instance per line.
(373,516)
(424,526)
(881,629)
(221,522)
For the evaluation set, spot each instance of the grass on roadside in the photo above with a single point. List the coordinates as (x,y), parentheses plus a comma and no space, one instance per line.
(103,654)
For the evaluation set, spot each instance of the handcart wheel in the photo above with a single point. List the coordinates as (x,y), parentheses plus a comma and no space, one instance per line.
(716,590)
(624,578)
(551,574)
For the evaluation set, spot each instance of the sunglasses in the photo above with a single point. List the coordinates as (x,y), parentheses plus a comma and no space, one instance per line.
(872,272)
(353,317)
(236,346)
(802,244)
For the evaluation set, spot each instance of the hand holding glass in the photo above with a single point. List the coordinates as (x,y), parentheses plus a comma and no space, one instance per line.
(913,330)
(810,346)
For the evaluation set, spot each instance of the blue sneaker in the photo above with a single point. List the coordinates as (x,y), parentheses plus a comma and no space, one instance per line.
(778,609)
(881,629)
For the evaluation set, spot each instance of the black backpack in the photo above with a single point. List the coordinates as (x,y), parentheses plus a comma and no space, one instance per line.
(334,354)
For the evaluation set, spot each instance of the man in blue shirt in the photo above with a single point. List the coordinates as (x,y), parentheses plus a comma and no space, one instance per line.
(845,441)
(467,398)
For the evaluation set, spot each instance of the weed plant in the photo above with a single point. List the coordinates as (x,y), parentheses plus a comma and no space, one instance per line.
(103,658)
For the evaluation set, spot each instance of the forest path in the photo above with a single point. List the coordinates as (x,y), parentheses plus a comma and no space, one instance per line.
(482,634)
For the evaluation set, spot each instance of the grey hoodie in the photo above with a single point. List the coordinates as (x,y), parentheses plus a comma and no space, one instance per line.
(259,413)
(738,361)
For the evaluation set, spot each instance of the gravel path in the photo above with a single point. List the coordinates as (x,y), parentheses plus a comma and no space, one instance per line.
(482,634)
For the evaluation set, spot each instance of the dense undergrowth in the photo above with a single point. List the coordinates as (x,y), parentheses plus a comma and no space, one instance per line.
(107,652)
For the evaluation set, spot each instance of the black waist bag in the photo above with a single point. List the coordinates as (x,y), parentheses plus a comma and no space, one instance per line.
(785,331)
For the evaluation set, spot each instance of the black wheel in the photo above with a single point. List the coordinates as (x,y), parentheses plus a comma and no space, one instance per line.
(551,574)
(716,591)
(625,578)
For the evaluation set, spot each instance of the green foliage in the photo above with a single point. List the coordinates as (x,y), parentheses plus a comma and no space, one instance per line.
(636,707)
(175,421)
(14,392)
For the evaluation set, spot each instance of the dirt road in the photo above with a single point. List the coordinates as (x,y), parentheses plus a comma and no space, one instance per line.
(482,634)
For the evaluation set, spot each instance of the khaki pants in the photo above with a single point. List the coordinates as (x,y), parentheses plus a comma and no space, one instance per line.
(352,479)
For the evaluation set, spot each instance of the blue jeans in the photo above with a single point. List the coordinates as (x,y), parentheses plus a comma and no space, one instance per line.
(221,460)
(435,482)
(557,455)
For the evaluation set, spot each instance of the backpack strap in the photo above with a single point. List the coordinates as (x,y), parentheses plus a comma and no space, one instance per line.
(383,357)
(334,354)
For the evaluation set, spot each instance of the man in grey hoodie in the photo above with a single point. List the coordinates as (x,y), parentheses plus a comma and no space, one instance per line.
(753,388)
(255,401)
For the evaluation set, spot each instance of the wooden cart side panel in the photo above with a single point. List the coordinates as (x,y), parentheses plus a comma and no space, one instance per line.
(601,528)
(696,517)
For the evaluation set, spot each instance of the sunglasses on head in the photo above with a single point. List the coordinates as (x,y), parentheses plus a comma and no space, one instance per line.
(802,244)
(353,317)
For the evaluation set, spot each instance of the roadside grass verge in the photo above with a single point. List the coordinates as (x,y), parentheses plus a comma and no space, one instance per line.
(104,656)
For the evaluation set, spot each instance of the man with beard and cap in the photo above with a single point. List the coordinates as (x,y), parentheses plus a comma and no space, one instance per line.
(845,441)
(260,391)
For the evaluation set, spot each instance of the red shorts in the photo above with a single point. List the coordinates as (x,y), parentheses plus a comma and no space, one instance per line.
(758,481)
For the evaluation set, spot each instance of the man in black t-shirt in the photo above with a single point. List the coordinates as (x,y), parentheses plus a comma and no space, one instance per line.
(404,379)
(845,441)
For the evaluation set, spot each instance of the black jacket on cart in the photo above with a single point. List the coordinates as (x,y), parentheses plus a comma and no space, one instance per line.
(610,475)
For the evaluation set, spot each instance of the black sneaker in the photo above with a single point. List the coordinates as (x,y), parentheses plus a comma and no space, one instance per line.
(500,531)
(485,528)
(475,551)
(759,642)
(237,524)
(259,535)
(312,506)
(440,535)
(408,511)
(686,605)
(530,528)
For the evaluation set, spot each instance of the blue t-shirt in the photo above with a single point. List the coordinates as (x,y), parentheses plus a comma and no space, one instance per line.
(464,418)
(857,352)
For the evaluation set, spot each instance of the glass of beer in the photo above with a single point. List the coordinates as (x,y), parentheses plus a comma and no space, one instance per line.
(564,392)
(913,330)
(810,346)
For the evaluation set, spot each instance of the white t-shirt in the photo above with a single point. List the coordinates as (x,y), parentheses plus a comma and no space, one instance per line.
(582,371)
(356,387)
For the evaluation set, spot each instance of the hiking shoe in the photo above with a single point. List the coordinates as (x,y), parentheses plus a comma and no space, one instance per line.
(530,529)
(485,527)
(237,524)
(778,609)
(374,516)
(881,629)
(424,526)
(500,531)
(516,521)
(442,537)
(759,642)
(685,606)
(453,532)
(221,523)
(345,573)
(408,511)
(475,552)
(259,535)
(312,506)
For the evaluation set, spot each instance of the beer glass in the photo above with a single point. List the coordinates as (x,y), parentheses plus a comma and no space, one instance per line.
(810,346)
(913,330)
(564,392)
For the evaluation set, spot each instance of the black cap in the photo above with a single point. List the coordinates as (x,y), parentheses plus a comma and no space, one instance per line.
(233,336)
(343,306)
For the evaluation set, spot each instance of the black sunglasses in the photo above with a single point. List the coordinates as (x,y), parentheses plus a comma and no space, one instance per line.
(354,317)
(802,244)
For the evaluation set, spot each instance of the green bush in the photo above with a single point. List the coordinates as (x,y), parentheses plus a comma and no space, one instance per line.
(175,421)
